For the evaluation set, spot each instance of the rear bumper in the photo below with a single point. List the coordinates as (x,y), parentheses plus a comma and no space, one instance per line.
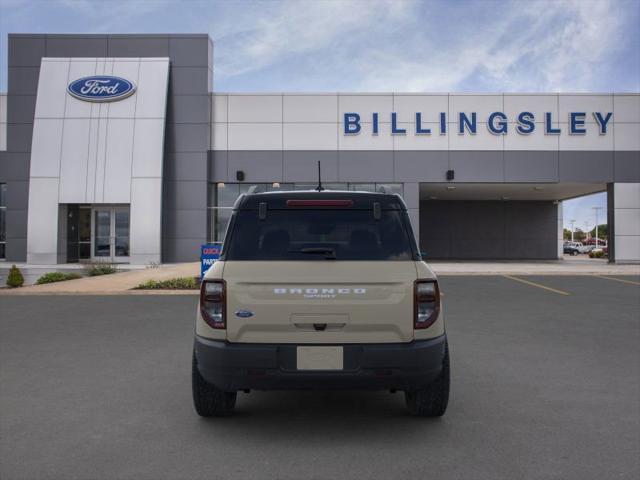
(381,366)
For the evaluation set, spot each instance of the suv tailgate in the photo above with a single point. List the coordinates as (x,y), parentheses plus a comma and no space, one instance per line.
(328,302)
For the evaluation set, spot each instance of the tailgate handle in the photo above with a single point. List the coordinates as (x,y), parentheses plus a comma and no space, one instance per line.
(320,326)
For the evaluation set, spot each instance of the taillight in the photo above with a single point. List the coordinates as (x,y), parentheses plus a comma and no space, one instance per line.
(426,303)
(212,303)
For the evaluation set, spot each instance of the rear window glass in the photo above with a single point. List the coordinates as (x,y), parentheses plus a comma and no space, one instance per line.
(318,235)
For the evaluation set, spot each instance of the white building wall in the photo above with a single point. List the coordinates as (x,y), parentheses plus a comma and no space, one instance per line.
(98,153)
(299,121)
(626,211)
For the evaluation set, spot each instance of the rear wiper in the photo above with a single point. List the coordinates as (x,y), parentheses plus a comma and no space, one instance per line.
(330,253)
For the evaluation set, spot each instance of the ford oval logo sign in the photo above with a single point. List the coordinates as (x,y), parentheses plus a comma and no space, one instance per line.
(101,88)
(244,313)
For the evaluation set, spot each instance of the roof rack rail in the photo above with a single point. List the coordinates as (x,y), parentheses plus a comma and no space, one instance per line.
(386,189)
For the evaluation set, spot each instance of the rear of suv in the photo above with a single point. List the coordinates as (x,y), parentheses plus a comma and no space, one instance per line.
(320,290)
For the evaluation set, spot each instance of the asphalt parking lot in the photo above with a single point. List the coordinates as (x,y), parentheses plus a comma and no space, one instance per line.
(545,384)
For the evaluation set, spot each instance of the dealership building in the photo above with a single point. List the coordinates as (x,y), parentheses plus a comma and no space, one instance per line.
(117,148)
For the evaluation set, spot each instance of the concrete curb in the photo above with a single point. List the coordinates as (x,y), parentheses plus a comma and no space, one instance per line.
(530,273)
(25,291)
(121,283)
(124,282)
(16,292)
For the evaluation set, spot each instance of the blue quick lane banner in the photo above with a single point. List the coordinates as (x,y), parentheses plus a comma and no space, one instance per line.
(209,254)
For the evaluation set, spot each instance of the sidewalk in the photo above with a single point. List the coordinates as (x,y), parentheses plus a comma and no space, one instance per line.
(124,282)
(116,283)
(568,266)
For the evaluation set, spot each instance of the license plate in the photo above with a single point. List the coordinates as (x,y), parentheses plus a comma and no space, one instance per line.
(320,358)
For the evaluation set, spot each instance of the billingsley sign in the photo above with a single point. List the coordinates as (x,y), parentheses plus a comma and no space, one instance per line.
(497,123)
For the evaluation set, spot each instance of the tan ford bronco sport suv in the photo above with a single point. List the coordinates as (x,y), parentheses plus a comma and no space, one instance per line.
(320,290)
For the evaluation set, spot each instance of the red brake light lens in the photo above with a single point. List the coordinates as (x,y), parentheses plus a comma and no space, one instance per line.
(426,303)
(319,203)
(213,303)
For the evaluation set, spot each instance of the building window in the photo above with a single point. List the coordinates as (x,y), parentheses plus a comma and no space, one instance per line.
(222,196)
(3,220)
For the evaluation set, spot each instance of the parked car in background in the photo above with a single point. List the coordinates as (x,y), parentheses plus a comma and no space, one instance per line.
(592,241)
(573,248)
(586,248)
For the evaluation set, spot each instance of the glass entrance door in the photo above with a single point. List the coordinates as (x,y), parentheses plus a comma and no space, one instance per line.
(78,232)
(102,233)
(111,234)
(121,234)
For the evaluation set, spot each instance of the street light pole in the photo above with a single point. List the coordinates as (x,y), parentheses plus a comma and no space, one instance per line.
(572,222)
(596,210)
(586,231)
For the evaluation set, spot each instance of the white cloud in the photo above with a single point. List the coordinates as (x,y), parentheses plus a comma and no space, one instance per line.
(382,46)
(562,43)
(298,28)
(112,15)
(556,52)
(377,45)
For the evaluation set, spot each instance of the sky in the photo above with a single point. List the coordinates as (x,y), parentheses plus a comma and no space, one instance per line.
(581,210)
(378,45)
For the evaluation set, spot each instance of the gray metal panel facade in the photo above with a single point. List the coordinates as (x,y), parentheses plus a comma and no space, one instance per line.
(626,166)
(470,166)
(488,230)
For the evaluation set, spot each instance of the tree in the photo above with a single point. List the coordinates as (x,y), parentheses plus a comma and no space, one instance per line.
(579,235)
(603,231)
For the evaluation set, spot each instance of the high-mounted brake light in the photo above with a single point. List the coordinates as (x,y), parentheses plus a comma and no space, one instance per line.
(319,203)
(213,303)
(426,303)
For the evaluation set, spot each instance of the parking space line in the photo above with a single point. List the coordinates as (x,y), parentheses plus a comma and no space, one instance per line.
(534,284)
(631,282)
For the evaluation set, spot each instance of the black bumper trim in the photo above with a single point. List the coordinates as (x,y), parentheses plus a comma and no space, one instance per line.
(380,366)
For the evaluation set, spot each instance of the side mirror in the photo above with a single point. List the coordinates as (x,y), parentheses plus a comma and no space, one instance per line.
(423,254)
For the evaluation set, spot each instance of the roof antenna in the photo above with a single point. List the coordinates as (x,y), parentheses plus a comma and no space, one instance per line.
(319,188)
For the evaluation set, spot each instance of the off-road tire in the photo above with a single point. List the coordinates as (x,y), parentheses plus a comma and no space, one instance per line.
(208,400)
(432,400)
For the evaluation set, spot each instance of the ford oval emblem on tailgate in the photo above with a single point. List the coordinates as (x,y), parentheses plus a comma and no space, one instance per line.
(244,313)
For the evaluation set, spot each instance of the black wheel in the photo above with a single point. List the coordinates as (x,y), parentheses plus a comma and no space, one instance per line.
(432,401)
(208,400)
(574,253)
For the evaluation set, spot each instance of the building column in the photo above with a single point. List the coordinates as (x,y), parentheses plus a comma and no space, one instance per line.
(560,232)
(42,221)
(145,221)
(411,198)
(623,208)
